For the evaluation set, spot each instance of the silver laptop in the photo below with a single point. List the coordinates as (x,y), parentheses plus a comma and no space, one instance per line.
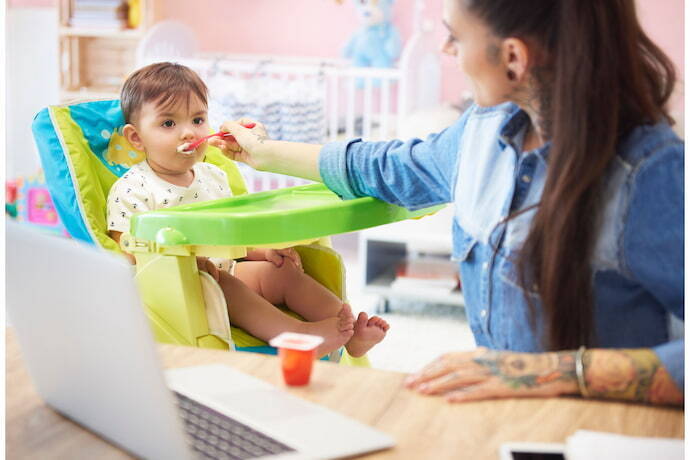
(87,345)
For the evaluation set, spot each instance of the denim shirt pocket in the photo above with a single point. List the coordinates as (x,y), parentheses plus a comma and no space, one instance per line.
(509,275)
(514,319)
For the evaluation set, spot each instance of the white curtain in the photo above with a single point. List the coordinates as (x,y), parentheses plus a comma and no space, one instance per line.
(292,107)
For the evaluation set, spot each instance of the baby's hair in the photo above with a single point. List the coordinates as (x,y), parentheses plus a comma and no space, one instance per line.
(164,83)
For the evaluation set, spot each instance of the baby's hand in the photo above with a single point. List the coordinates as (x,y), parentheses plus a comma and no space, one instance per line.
(278,256)
(247,142)
(205,264)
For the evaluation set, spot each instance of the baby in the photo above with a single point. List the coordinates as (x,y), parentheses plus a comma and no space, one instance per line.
(165,107)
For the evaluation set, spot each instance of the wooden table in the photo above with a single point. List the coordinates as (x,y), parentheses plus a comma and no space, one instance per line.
(424,427)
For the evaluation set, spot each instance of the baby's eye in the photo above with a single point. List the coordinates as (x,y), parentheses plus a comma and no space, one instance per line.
(199,120)
(168,124)
(451,39)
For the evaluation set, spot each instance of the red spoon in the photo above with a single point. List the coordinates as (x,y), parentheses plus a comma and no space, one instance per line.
(188,147)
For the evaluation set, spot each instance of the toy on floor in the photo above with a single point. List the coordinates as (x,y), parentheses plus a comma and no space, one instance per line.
(377,42)
(11,198)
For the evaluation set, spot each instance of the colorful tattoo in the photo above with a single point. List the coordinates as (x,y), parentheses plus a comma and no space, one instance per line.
(634,375)
(518,370)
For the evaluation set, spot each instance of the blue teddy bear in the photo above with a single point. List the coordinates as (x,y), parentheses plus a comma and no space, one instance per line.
(377,42)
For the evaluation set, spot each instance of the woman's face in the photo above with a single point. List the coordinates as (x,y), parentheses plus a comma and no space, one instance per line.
(477,53)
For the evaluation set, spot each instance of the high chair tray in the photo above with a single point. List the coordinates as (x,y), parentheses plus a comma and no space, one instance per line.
(288,214)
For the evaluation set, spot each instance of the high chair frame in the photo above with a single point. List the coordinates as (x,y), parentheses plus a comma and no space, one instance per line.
(76,143)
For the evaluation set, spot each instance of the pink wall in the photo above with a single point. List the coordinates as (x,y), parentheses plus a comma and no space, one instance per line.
(664,23)
(315,28)
(320,28)
(31,3)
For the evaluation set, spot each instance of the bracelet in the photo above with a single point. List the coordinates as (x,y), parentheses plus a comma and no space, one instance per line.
(580,372)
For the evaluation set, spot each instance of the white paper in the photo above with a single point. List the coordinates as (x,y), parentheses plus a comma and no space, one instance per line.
(593,445)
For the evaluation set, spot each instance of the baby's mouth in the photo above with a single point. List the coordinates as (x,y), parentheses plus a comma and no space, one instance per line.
(185,148)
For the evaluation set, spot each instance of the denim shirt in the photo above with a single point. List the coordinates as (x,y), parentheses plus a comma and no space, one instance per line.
(477,164)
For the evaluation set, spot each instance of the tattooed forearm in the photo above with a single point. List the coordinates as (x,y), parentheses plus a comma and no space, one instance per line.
(519,370)
(634,375)
(261,138)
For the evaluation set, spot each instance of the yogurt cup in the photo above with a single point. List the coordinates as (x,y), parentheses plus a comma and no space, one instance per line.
(297,354)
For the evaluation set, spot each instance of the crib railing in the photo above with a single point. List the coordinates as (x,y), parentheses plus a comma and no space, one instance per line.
(354,101)
(258,181)
(357,101)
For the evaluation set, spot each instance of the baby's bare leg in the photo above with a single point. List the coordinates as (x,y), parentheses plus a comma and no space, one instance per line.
(257,316)
(290,286)
(302,294)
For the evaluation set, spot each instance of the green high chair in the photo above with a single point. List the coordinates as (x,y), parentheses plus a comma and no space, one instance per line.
(83,153)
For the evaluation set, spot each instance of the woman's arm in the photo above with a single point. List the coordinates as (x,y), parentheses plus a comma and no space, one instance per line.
(254,148)
(413,174)
(634,375)
(629,374)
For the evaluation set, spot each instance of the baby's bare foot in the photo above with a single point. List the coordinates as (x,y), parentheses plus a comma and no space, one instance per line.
(368,332)
(335,331)
(346,318)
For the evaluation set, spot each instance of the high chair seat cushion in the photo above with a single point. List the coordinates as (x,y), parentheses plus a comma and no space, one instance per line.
(83,153)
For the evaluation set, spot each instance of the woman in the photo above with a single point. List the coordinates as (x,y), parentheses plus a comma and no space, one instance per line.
(567,185)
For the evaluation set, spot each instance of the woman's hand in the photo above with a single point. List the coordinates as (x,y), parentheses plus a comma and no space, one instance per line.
(488,374)
(253,147)
(276,256)
(248,143)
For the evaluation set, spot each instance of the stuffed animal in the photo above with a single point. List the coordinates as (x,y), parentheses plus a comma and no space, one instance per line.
(377,42)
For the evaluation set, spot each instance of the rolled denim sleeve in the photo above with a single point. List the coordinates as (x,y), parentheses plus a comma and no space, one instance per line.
(671,354)
(653,240)
(413,174)
(333,168)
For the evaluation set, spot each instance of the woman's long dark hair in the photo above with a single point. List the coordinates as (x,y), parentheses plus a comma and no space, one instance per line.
(604,76)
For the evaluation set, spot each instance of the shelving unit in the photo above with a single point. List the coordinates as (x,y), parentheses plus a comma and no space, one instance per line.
(94,61)
(382,248)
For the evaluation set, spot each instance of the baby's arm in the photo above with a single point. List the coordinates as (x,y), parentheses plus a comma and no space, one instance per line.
(116,236)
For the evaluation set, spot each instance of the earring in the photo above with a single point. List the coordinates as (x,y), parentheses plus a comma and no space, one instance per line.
(511,75)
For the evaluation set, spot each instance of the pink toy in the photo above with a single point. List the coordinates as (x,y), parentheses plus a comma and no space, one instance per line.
(35,206)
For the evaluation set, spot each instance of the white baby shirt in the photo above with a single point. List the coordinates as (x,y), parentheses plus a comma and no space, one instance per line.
(140,190)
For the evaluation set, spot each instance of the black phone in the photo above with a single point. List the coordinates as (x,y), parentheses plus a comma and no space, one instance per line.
(532,451)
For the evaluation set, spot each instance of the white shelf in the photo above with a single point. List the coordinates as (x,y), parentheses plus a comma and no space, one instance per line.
(94,60)
(383,248)
(381,285)
(101,32)
(88,94)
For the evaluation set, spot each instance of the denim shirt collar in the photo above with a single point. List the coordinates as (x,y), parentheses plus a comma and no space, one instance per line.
(512,132)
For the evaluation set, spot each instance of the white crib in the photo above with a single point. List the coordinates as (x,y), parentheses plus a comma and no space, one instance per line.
(322,99)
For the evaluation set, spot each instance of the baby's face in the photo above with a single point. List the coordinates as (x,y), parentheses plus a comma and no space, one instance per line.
(163,128)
